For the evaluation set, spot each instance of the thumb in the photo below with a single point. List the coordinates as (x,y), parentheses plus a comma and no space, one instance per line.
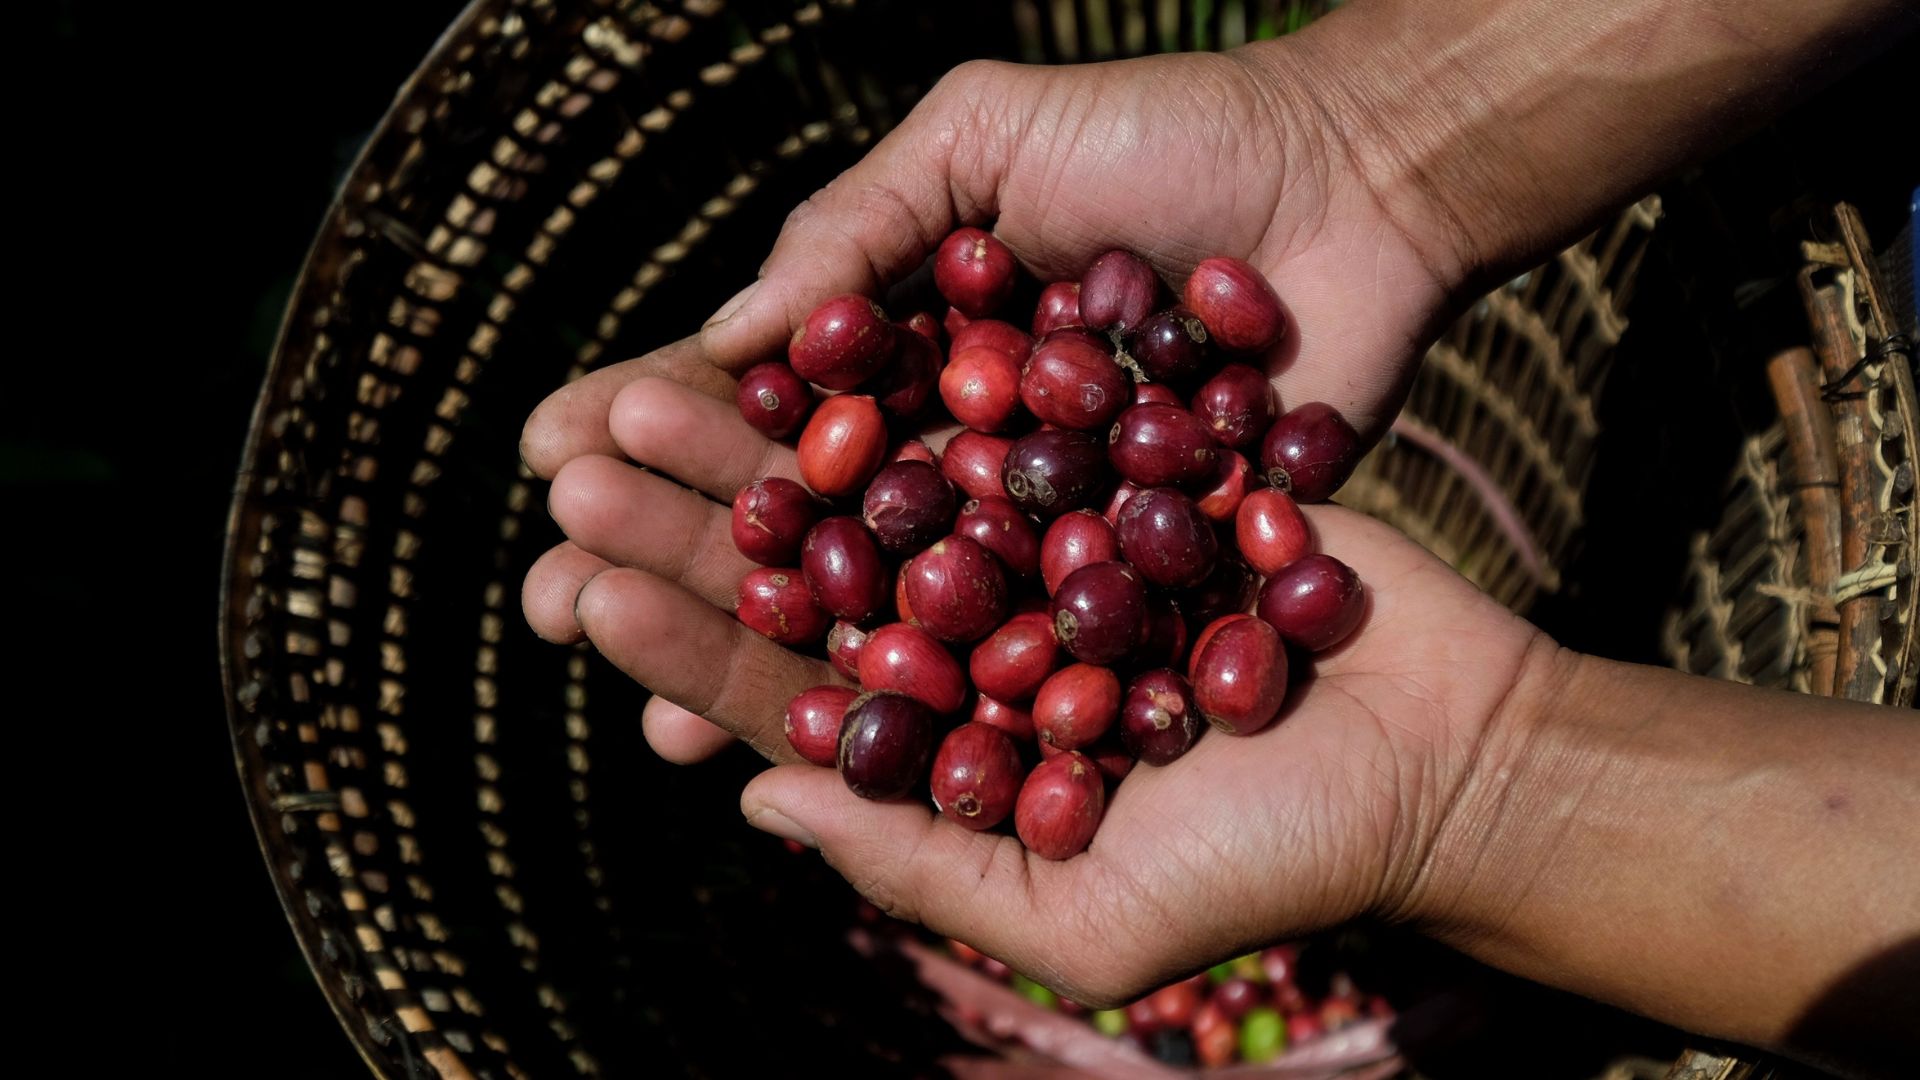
(875,222)
(980,887)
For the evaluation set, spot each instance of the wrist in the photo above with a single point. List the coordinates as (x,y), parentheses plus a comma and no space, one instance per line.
(1396,127)
(1494,132)
(1667,843)
(1450,884)
(1310,80)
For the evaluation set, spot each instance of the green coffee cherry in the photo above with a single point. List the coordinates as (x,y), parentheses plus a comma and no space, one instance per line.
(1034,992)
(1110,1022)
(1263,1035)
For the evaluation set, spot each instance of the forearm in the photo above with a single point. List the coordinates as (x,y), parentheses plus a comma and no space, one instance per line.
(1709,854)
(1503,128)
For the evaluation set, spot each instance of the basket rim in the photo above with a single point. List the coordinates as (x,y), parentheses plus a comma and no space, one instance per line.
(242,529)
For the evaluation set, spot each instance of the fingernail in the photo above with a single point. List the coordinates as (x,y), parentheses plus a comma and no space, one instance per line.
(576,600)
(782,826)
(732,307)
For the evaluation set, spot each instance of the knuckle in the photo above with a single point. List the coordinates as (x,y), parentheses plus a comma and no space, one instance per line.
(801,213)
(748,696)
(635,415)
(702,563)
(686,556)
(882,889)
(715,696)
(969,78)
(892,885)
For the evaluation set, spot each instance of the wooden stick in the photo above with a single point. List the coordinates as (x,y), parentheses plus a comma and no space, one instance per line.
(1854,675)
(1814,476)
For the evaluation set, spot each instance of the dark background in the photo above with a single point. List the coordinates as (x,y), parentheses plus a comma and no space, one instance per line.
(174,163)
(178,160)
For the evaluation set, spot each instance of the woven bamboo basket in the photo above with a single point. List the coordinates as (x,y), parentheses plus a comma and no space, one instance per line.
(487,871)
(1810,581)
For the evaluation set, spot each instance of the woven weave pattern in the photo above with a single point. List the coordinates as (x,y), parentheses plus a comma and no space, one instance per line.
(489,874)
(1749,595)
(1491,459)
(1809,580)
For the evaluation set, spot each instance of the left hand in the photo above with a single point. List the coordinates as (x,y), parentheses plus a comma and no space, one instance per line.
(1327,815)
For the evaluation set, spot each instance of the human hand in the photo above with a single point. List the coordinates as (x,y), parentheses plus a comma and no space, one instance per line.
(1327,815)
(1175,157)
(1590,824)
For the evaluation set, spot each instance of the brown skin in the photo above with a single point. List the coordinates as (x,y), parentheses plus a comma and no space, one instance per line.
(1516,124)
(1626,829)
(1611,829)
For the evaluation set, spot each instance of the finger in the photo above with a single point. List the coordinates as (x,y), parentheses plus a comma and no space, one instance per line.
(698,441)
(980,887)
(573,419)
(680,736)
(876,221)
(697,656)
(631,517)
(551,584)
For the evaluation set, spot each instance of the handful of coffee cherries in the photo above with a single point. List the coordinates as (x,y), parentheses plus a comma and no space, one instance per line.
(1045,573)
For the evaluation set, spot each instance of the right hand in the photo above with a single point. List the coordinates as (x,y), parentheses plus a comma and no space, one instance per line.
(1330,814)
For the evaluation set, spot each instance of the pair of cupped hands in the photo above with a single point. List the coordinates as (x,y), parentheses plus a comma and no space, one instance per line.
(1330,814)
